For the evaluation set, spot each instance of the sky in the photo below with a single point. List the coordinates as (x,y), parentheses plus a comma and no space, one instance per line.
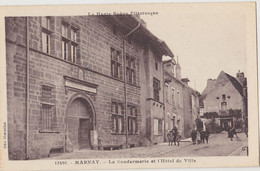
(206,39)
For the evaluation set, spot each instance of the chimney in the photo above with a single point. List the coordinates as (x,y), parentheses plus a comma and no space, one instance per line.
(169,67)
(211,82)
(178,70)
(241,78)
(185,81)
(210,85)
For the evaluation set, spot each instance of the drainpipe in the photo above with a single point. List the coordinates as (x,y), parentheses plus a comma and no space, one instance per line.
(124,56)
(164,115)
(27,89)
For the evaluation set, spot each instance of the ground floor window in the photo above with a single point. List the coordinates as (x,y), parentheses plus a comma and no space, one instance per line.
(157,126)
(117,124)
(132,119)
(48,118)
(117,120)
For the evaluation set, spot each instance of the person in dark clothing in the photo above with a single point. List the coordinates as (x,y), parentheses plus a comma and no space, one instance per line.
(230,133)
(193,136)
(207,135)
(170,137)
(234,131)
(204,135)
(175,133)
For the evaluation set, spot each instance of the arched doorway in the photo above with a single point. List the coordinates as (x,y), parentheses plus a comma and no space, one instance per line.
(79,122)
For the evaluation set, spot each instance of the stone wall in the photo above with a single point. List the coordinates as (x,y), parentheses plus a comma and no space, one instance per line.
(95,40)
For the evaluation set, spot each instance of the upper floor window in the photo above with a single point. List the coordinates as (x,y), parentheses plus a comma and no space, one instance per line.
(130,70)
(178,99)
(156,89)
(193,101)
(116,64)
(46,22)
(46,34)
(156,65)
(223,97)
(47,94)
(69,46)
(166,92)
(65,30)
(73,34)
(223,105)
(173,96)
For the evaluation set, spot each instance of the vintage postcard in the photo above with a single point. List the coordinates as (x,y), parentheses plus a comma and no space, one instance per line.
(129,86)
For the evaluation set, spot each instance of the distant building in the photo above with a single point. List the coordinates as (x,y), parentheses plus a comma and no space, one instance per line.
(74,80)
(191,108)
(225,100)
(181,101)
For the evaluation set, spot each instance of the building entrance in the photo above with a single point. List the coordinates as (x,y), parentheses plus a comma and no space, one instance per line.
(79,122)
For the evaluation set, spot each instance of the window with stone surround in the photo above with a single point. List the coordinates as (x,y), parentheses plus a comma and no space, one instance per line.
(48,112)
(117,119)
(178,99)
(70,43)
(46,34)
(173,96)
(156,65)
(223,106)
(157,126)
(156,89)
(132,119)
(116,64)
(130,70)
(166,92)
(193,101)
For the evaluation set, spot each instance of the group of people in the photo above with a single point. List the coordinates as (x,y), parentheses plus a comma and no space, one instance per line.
(196,136)
(174,136)
(201,136)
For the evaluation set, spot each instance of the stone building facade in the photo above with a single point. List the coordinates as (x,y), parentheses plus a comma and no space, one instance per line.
(191,108)
(226,99)
(74,82)
(181,101)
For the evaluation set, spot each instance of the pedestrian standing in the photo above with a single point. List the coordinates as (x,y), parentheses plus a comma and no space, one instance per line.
(198,137)
(230,133)
(193,136)
(207,135)
(178,138)
(170,137)
(175,132)
(234,131)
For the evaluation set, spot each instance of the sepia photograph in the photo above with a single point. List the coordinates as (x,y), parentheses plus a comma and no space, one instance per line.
(136,86)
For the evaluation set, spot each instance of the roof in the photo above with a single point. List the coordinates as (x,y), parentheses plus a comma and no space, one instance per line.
(129,22)
(235,83)
(201,99)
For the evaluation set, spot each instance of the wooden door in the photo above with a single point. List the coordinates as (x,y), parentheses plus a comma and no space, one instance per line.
(84,133)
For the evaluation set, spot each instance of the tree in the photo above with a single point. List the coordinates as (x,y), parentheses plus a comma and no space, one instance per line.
(235,113)
(210,115)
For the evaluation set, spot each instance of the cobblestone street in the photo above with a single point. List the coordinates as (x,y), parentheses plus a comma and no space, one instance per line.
(219,145)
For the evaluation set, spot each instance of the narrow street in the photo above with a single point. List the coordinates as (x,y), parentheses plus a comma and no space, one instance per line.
(219,145)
